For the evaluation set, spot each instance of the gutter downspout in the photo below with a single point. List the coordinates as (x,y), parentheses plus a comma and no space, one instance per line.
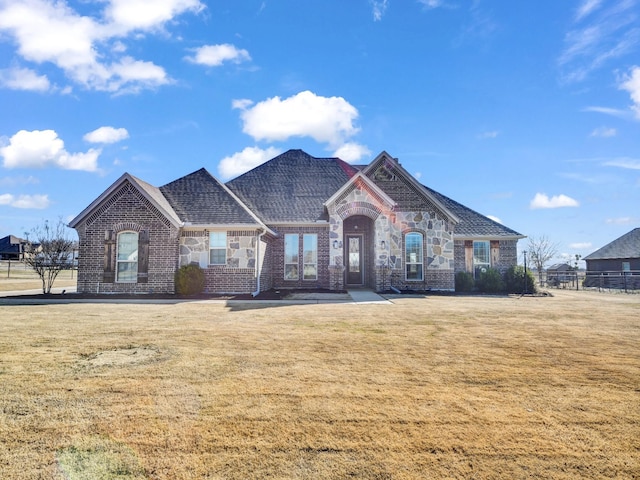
(257,292)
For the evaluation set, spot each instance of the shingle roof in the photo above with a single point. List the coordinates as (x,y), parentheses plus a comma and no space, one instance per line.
(291,187)
(10,244)
(156,195)
(472,223)
(200,199)
(626,246)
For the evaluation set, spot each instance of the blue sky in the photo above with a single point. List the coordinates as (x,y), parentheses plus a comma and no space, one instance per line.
(528,112)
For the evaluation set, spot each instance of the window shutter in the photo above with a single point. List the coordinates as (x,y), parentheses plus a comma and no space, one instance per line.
(468,255)
(495,253)
(109,273)
(143,256)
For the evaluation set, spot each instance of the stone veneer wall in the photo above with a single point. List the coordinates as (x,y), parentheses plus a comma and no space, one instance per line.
(127,209)
(239,274)
(390,227)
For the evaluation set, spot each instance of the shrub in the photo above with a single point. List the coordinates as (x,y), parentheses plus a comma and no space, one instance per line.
(514,280)
(464,282)
(490,281)
(189,279)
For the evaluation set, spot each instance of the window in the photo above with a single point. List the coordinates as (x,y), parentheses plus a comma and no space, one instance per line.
(310,256)
(127,257)
(413,256)
(481,258)
(626,266)
(217,248)
(291,257)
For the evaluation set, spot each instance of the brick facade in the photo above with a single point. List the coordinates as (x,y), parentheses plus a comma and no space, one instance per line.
(376,208)
(127,210)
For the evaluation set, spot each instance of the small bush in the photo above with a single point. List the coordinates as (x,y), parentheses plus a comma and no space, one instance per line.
(189,280)
(490,281)
(464,282)
(514,280)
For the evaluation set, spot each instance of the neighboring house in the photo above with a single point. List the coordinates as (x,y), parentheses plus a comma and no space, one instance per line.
(621,255)
(560,273)
(12,248)
(295,221)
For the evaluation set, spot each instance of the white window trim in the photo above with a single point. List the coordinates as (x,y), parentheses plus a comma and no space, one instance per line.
(224,249)
(421,262)
(119,262)
(315,256)
(481,264)
(297,263)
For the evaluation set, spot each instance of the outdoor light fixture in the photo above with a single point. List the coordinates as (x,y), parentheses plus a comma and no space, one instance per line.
(383,245)
(337,244)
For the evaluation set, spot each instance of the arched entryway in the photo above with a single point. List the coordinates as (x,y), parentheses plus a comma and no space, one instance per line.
(358,241)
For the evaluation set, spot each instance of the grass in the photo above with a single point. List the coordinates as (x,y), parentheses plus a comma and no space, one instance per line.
(436,387)
(18,276)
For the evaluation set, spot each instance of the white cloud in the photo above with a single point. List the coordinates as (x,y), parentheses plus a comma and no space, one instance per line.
(216,55)
(89,49)
(243,161)
(42,148)
(541,200)
(624,162)
(241,104)
(490,134)
(431,3)
(24,79)
(106,135)
(325,119)
(587,7)
(604,132)
(351,152)
(610,33)
(614,112)
(379,8)
(621,221)
(25,201)
(494,218)
(580,245)
(631,83)
(148,14)
(20,180)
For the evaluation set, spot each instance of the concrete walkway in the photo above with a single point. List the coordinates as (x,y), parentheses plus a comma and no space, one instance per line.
(354,297)
(366,296)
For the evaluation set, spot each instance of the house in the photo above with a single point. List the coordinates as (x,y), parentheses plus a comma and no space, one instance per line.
(560,274)
(295,222)
(618,261)
(12,248)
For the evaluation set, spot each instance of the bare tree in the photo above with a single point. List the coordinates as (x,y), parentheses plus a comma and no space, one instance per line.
(541,250)
(49,251)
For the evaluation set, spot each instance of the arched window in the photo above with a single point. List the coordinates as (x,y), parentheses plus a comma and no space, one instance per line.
(127,257)
(413,256)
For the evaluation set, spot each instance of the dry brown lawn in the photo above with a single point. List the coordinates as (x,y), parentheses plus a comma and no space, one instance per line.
(437,387)
(17,276)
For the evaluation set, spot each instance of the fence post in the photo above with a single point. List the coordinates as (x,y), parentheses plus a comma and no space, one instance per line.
(9,268)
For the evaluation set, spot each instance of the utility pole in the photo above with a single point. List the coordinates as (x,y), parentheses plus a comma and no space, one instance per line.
(524,289)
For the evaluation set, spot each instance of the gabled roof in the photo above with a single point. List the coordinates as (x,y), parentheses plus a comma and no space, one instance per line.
(11,244)
(364,181)
(398,169)
(473,224)
(200,199)
(626,246)
(292,187)
(150,192)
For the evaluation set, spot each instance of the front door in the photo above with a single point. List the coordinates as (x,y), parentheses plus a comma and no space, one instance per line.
(354,265)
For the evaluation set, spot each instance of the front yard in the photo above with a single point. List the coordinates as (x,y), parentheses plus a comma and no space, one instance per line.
(435,387)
